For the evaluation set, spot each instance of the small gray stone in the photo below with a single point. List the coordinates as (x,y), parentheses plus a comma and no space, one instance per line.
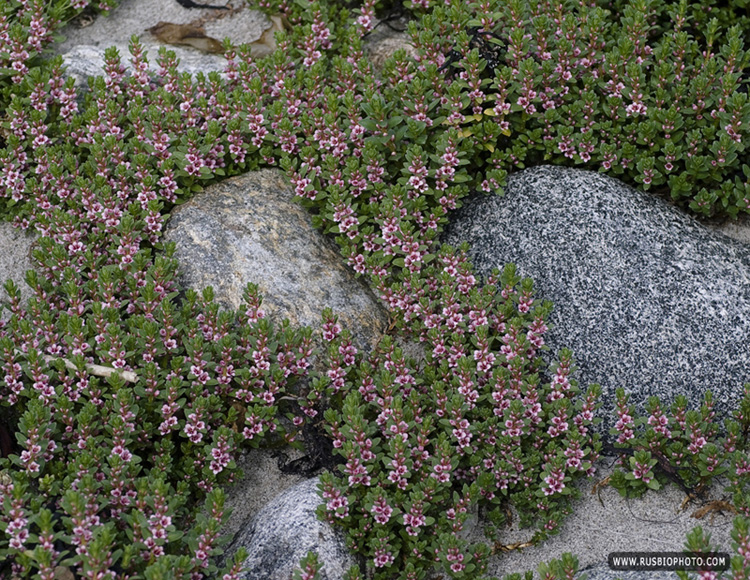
(648,298)
(284,531)
(248,229)
(383,42)
(738,229)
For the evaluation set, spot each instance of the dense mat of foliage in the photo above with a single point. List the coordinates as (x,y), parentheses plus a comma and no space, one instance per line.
(118,468)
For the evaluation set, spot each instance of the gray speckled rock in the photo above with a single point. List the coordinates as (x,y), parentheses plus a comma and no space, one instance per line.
(283,532)
(648,298)
(248,229)
(259,481)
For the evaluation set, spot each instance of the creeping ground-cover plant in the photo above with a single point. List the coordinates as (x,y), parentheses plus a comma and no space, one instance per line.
(469,427)
(125,399)
(688,448)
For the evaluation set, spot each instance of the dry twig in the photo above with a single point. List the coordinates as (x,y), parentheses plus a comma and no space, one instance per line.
(92,369)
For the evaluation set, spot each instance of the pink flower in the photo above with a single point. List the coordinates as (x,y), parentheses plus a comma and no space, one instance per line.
(382,558)
(381,511)
(635,109)
(331,330)
(555,482)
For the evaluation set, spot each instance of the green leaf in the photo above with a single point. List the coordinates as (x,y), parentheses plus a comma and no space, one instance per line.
(654,483)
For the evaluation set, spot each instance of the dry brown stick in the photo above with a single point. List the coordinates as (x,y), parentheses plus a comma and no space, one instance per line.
(92,369)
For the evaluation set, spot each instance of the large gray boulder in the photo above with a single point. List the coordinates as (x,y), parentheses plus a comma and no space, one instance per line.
(248,229)
(86,61)
(649,299)
(233,18)
(284,531)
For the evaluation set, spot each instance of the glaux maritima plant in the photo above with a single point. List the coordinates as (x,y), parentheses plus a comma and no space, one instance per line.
(117,469)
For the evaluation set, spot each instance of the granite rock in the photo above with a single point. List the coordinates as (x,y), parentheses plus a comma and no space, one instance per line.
(240,23)
(283,532)
(648,298)
(248,229)
(259,481)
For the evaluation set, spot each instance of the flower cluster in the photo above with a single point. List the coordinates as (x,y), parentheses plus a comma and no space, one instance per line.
(179,387)
(683,445)
(421,449)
